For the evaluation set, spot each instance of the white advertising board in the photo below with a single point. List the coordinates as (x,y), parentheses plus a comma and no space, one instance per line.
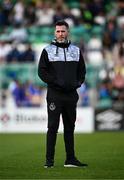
(29,120)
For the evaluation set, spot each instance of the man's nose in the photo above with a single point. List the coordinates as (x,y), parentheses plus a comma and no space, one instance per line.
(60,33)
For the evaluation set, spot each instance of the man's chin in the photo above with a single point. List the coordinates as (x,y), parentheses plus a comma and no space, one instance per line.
(61,41)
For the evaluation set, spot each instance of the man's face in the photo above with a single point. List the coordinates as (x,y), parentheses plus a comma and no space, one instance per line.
(61,33)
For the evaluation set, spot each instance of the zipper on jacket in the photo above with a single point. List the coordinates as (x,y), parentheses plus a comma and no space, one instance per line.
(65,54)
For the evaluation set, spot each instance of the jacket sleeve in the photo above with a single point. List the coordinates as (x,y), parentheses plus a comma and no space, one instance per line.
(81,69)
(43,68)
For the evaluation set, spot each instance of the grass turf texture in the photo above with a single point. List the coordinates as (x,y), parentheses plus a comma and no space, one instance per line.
(22,156)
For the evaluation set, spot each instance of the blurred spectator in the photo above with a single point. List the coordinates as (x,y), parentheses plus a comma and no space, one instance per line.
(96,7)
(2,18)
(84,95)
(83,47)
(106,41)
(29,14)
(3,98)
(25,94)
(59,7)
(58,14)
(18,12)
(44,14)
(86,14)
(33,93)
(120,4)
(104,90)
(110,35)
(118,87)
(18,34)
(14,55)
(75,10)
(28,55)
(4,50)
(20,96)
(100,19)
(12,85)
(94,51)
(6,12)
(69,18)
(121,31)
(118,53)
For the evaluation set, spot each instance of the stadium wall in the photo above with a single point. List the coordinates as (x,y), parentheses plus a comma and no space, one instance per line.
(34,120)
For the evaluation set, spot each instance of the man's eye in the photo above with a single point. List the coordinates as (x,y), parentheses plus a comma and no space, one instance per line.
(60,31)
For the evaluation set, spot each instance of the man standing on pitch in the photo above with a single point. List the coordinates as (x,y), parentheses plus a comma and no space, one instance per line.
(62,67)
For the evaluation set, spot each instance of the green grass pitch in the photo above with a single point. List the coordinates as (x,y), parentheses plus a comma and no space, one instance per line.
(22,156)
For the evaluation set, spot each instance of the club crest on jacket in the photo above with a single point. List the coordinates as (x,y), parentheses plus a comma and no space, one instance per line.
(52,106)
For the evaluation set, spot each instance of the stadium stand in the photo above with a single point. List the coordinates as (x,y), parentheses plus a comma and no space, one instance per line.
(96,26)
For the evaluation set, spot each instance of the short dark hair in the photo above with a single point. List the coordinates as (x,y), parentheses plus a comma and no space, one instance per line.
(62,23)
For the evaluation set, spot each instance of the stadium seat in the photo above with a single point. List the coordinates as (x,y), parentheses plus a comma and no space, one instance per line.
(97,31)
(33,30)
(104,103)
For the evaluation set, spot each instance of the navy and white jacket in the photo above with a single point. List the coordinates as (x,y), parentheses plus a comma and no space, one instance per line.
(62,66)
